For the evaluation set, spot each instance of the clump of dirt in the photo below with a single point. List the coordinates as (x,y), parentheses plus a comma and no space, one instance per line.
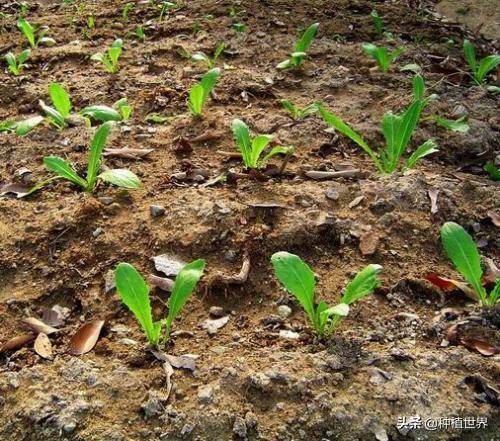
(263,375)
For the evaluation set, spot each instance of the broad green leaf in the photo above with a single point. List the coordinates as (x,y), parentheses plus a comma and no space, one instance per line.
(292,109)
(184,285)
(101,113)
(364,283)
(60,98)
(259,143)
(458,125)
(242,138)
(27,30)
(342,309)
(53,115)
(284,64)
(48,41)
(134,292)
(418,87)
(462,250)
(470,55)
(10,58)
(425,149)
(208,81)
(7,126)
(23,56)
(26,126)
(195,102)
(63,169)
(96,149)
(297,278)
(493,171)
(124,108)
(486,65)
(121,178)
(306,38)
(343,128)
(415,68)
(493,89)
(377,22)
(494,295)
(276,151)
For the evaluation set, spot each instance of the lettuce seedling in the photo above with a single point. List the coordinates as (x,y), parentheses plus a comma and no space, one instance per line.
(297,277)
(134,293)
(62,105)
(110,59)
(252,148)
(119,177)
(383,56)
(120,112)
(17,64)
(463,252)
(209,61)
(165,7)
(127,9)
(479,68)
(199,93)
(397,129)
(492,170)
(298,113)
(455,125)
(301,48)
(34,38)
(377,23)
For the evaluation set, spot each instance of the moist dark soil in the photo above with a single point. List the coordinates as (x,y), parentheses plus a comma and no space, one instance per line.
(263,376)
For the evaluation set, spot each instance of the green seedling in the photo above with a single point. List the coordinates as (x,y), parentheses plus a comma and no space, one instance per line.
(62,106)
(298,113)
(457,125)
(397,129)
(156,118)
(199,93)
(120,111)
(301,48)
(377,23)
(134,293)
(138,34)
(165,7)
(35,37)
(297,277)
(23,9)
(110,59)
(252,148)
(479,68)
(383,56)
(119,177)
(127,9)
(17,64)
(492,170)
(90,22)
(239,27)
(463,252)
(209,61)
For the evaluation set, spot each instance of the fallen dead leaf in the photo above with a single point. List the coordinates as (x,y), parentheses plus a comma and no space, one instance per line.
(85,338)
(495,218)
(55,316)
(39,326)
(212,326)
(433,196)
(320,175)
(186,361)
(448,285)
(17,342)
(18,190)
(169,371)
(127,153)
(163,283)
(43,346)
(368,243)
(356,201)
(472,344)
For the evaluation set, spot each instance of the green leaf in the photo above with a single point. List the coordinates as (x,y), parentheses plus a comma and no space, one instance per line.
(284,64)
(26,126)
(297,278)
(242,138)
(418,87)
(486,65)
(342,309)
(134,292)
(184,285)
(494,296)
(462,250)
(459,125)
(7,126)
(492,171)
(121,178)
(101,113)
(63,169)
(23,56)
(124,108)
(306,38)
(292,109)
(425,149)
(470,55)
(415,68)
(53,115)
(343,128)
(364,283)
(259,143)
(199,93)
(493,89)
(277,151)
(60,98)
(96,149)
(28,31)
(377,22)
(48,41)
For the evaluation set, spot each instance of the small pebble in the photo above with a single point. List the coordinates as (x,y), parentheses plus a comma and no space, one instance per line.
(157,210)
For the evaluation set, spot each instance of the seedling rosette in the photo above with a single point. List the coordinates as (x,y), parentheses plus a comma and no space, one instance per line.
(200,92)
(109,59)
(479,68)
(34,38)
(301,48)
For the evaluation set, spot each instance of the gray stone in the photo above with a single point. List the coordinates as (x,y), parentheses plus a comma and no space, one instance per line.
(240,427)
(205,394)
(157,210)
(284,311)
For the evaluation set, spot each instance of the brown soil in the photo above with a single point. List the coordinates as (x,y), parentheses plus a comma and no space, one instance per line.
(387,359)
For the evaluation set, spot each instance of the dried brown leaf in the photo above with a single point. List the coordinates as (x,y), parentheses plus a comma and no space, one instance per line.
(356,201)
(17,342)
(495,218)
(39,326)
(127,153)
(163,283)
(433,196)
(43,346)
(85,338)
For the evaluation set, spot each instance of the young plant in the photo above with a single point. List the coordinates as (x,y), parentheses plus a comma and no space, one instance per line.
(377,23)
(301,48)
(252,148)
(397,129)
(127,9)
(120,112)
(239,27)
(17,64)
(479,68)
(165,7)
(199,93)
(493,171)
(454,125)
(298,113)
(34,38)
(463,252)
(119,177)
(110,59)
(134,293)
(298,278)
(138,34)
(62,105)
(209,61)
(383,56)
